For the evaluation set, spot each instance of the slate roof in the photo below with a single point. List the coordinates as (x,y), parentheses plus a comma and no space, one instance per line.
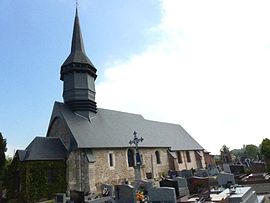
(43,148)
(77,53)
(114,129)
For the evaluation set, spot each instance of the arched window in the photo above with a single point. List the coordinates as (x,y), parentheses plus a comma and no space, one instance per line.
(179,157)
(157,157)
(188,156)
(130,155)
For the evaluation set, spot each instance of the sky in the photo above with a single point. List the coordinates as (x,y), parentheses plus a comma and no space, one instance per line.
(202,64)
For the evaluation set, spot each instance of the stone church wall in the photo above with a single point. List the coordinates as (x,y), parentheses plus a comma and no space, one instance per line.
(77,171)
(85,176)
(192,164)
(101,172)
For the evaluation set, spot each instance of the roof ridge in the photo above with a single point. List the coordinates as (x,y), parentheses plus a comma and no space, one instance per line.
(118,111)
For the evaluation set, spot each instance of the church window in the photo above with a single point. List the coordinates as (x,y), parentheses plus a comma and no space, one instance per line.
(179,157)
(130,154)
(157,157)
(111,160)
(188,156)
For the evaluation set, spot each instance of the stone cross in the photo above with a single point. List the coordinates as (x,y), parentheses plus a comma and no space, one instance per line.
(138,164)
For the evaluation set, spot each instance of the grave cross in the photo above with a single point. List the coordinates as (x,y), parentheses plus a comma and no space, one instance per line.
(137,167)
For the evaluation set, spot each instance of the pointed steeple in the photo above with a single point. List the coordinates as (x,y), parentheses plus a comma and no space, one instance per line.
(77,53)
(79,74)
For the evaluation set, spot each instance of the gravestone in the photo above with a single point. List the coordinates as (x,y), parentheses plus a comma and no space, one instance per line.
(170,183)
(182,186)
(237,169)
(201,173)
(106,190)
(60,198)
(199,186)
(225,179)
(226,168)
(172,174)
(144,185)
(213,171)
(186,173)
(182,182)
(241,194)
(162,195)
(77,196)
(124,194)
(258,167)
(213,181)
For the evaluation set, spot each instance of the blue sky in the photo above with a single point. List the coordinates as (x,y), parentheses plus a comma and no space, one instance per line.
(204,65)
(35,40)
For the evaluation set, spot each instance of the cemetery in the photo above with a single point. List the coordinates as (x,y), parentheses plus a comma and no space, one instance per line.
(227,183)
(201,185)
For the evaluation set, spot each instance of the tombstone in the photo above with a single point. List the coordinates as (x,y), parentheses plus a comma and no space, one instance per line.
(225,179)
(60,198)
(182,182)
(186,173)
(213,181)
(124,194)
(182,186)
(162,195)
(258,167)
(170,183)
(213,171)
(144,185)
(106,190)
(241,194)
(226,168)
(77,196)
(201,173)
(172,174)
(237,169)
(199,186)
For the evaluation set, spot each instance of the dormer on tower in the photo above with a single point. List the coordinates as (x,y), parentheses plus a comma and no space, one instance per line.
(79,75)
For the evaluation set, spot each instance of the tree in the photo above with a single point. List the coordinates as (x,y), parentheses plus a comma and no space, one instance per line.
(238,152)
(252,151)
(265,150)
(3,149)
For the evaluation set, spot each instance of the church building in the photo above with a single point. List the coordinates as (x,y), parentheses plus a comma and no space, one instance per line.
(92,143)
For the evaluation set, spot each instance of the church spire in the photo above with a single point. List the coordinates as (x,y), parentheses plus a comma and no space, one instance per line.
(77,53)
(79,74)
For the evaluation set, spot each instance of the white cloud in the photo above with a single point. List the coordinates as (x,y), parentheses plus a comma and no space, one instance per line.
(209,72)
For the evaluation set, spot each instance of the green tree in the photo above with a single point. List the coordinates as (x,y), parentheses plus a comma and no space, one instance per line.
(252,151)
(238,152)
(3,149)
(265,150)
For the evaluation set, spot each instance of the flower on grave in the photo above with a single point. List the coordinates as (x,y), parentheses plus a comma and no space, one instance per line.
(139,196)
